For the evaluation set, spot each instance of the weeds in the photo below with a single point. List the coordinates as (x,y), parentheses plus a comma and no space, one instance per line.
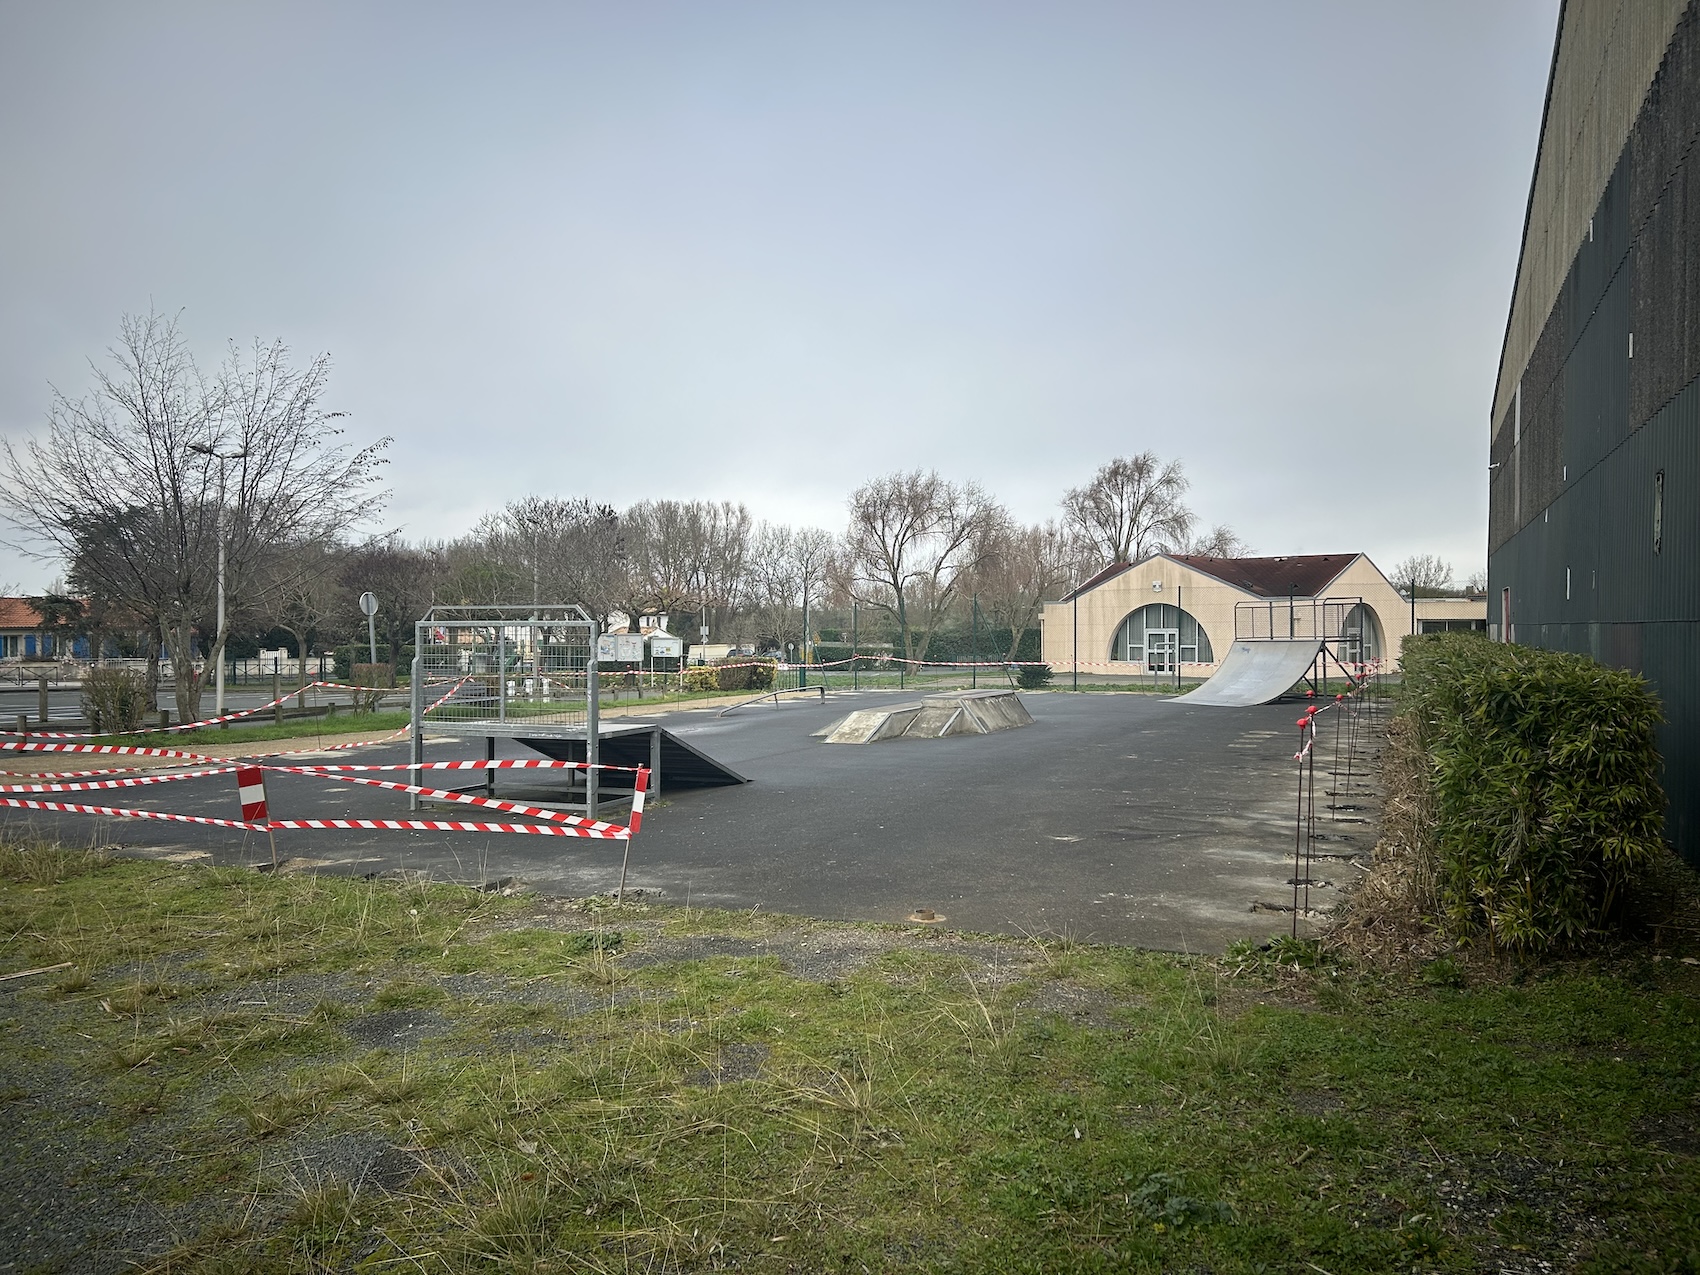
(725,1113)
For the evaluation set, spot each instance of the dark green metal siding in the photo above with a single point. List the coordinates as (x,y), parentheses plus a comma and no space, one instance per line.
(1598,425)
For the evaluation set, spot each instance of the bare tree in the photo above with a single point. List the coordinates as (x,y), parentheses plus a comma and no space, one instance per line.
(574,550)
(911,538)
(1026,566)
(300,592)
(538,550)
(1477,581)
(720,536)
(1220,541)
(1424,572)
(1132,507)
(660,544)
(116,490)
(403,577)
(786,574)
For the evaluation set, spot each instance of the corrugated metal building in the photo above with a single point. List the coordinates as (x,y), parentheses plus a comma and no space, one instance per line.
(1594,490)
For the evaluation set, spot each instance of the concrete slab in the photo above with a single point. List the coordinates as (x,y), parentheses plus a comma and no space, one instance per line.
(931,717)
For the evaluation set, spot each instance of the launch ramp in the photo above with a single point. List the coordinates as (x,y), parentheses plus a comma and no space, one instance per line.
(1256,673)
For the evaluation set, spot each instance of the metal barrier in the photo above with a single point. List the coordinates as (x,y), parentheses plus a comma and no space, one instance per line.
(534,667)
(1346,625)
(519,671)
(819,689)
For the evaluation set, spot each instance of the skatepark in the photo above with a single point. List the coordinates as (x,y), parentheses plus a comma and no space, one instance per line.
(1128,818)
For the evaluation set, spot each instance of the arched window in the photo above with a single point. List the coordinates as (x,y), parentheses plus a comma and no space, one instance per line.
(1360,640)
(1155,634)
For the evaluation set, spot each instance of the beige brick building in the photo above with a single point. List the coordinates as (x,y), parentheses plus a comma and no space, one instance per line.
(1176,609)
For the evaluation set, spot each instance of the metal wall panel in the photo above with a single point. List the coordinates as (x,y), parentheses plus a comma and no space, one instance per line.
(1605,59)
(1572,505)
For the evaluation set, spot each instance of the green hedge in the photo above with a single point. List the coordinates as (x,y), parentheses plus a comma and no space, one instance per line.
(1545,778)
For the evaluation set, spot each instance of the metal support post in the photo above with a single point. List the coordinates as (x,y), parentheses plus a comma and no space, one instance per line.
(855,664)
(416,732)
(655,762)
(974,668)
(592,728)
(501,674)
(1180,619)
(489,771)
(277,692)
(41,699)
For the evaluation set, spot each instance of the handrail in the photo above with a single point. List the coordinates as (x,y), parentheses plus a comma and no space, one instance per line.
(773,695)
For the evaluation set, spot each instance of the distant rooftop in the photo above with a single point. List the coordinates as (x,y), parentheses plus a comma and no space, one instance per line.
(1303,575)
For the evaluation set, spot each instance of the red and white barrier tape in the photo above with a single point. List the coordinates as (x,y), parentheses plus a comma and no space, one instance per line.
(251,792)
(227,717)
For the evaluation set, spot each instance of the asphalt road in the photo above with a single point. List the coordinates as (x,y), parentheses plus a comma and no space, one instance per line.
(1118,818)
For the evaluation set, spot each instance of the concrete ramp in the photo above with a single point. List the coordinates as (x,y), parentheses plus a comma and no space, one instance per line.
(1255,673)
(932,717)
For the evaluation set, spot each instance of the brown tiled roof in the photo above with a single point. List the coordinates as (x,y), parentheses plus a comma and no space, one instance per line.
(1108,573)
(1304,575)
(17,613)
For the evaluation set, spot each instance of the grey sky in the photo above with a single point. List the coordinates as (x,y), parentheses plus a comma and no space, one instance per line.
(762,252)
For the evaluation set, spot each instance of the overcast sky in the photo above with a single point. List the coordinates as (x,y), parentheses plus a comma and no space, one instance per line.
(764,252)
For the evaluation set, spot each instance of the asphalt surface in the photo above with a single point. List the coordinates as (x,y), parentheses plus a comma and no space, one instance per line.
(1114,818)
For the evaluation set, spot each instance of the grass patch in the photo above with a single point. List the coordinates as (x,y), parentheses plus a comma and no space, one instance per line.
(339,723)
(326,1073)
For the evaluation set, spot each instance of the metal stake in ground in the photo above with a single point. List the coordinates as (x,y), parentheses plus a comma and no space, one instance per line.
(1297,830)
(1310,820)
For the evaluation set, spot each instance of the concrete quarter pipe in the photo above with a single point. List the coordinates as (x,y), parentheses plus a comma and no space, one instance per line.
(1255,673)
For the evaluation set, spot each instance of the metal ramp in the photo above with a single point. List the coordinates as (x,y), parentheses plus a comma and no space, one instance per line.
(1256,673)
(673,762)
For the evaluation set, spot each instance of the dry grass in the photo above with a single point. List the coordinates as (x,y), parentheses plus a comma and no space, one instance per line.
(1387,918)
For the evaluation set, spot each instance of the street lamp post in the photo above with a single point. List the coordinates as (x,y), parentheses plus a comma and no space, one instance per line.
(211,450)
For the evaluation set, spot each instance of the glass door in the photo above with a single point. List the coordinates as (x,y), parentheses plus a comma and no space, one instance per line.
(1162,647)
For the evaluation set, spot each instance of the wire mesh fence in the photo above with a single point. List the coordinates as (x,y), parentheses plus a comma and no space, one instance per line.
(503,667)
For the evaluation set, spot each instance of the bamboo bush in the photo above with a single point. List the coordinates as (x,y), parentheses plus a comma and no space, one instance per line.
(114,699)
(1545,781)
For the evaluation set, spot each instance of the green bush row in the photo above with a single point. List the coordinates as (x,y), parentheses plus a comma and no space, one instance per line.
(739,673)
(1545,778)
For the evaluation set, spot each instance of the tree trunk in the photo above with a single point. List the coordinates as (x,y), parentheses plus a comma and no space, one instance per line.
(300,658)
(155,638)
(186,682)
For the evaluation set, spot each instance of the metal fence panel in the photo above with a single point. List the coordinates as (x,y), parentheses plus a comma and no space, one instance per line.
(507,664)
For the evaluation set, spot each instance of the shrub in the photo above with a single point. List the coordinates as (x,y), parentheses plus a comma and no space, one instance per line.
(1544,773)
(740,673)
(702,677)
(1032,676)
(115,700)
(374,675)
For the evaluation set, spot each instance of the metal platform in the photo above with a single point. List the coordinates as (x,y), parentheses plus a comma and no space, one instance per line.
(529,673)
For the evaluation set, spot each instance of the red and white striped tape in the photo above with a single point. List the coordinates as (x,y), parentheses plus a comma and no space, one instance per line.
(95,785)
(227,717)
(255,810)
